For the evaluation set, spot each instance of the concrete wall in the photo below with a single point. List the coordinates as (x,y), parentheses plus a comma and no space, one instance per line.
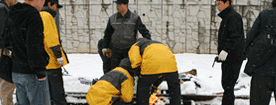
(186,26)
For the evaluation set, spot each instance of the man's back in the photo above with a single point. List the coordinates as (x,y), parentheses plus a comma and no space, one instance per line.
(112,86)
(153,57)
(266,59)
(29,55)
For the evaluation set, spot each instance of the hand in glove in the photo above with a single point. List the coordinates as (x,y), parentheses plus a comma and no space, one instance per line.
(94,81)
(222,55)
(60,61)
(107,52)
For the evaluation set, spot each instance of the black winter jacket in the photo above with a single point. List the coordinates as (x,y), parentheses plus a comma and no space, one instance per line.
(29,55)
(231,34)
(269,68)
(4,16)
(4,27)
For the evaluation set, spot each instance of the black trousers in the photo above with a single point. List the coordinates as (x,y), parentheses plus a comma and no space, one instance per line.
(261,89)
(144,86)
(106,60)
(230,74)
(121,102)
(117,56)
(56,87)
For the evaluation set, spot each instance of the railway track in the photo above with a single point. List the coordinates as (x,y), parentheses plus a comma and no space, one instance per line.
(78,98)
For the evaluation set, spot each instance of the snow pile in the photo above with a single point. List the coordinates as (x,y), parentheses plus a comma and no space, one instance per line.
(89,66)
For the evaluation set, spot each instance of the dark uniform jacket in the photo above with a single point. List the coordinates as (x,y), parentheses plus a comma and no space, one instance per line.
(269,68)
(4,27)
(29,55)
(231,34)
(121,32)
(113,86)
(153,57)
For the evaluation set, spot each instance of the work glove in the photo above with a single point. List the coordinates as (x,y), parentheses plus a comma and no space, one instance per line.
(107,52)
(60,61)
(222,55)
(94,81)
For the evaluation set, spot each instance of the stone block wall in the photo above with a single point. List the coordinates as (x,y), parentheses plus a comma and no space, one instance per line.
(185,26)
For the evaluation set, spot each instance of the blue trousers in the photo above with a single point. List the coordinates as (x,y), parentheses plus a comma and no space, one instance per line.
(30,91)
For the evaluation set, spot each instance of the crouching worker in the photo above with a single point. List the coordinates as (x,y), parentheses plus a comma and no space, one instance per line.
(155,60)
(114,88)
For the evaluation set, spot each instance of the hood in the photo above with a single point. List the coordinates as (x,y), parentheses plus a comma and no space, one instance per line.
(19,12)
(48,9)
(1,1)
(126,64)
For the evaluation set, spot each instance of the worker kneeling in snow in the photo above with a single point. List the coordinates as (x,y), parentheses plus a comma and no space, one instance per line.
(155,60)
(114,87)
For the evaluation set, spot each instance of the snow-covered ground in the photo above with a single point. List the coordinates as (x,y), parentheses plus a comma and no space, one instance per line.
(89,66)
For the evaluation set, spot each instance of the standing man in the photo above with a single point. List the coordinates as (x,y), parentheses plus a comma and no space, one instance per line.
(121,32)
(6,88)
(264,76)
(156,60)
(57,56)
(230,48)
(29,57)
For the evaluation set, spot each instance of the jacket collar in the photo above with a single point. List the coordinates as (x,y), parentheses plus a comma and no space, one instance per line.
(127,15)
(224,13)
(48,9)
(21,11)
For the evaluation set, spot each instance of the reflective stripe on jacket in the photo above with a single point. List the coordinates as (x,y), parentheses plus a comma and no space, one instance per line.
(51,39)
(114,85)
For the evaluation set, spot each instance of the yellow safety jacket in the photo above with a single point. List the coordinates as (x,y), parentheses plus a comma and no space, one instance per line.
(114,85)
(153,57)
(51,39)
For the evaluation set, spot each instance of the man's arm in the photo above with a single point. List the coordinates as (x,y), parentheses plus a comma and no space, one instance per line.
(255,30)
(107,35)
(51,36)
(37,56)
(127,90)
(100,47)
(142,28)
(3,19)
(134,55)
